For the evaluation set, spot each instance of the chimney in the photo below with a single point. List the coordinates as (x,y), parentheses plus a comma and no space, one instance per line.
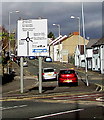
(75,33)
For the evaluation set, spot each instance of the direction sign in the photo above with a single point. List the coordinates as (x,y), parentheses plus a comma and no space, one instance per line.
(32,37)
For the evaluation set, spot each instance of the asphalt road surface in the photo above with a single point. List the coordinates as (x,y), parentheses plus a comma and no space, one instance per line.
(34,109)
(71,106)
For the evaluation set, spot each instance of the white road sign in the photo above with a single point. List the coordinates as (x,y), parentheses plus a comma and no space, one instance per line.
(32,37)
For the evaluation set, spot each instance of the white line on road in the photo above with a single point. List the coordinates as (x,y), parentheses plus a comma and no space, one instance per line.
(77,97)
(100,99)
(8,108)
(55,114)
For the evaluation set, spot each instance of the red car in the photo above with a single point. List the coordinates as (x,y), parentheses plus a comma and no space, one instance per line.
(67,77)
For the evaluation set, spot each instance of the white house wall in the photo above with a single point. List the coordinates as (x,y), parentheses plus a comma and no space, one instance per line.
(89,64)
(102,58)
(60,53)
(96,60)
(89,58)
(77,60)
(82,58)
(89,53)
(56,54)
(51,52)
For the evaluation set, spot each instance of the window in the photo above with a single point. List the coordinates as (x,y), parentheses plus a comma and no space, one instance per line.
(49,70)
(67,71)
(96,61)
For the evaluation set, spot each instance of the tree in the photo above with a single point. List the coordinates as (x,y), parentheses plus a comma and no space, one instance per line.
(4,37)
(51,35)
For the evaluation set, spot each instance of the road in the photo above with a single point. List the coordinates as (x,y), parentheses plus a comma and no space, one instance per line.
(35,109)
(69,103)
(31,80)
(33,69)
(33,66)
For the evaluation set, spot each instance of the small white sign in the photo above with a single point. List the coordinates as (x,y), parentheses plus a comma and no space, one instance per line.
(32,37)
(64,52)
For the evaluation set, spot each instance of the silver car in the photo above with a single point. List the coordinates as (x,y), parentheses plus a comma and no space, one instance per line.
(49,74)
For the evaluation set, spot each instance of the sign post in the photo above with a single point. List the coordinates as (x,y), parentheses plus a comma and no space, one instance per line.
(21,74)
(32,41)
(40,74)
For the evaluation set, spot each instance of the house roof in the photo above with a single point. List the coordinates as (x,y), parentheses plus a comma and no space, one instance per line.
(61,39)
(99,42)
(91,42)
(55,40)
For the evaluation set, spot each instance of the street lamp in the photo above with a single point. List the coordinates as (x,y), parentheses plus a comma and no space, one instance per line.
(9,28)
(59,35)
(73,17)
(78,18)
(58,28)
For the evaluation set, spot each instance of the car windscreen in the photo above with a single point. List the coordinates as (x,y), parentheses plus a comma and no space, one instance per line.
(67,71)
(48,70)
(48,59)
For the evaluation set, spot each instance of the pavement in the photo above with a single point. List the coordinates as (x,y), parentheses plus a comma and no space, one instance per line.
(11,90)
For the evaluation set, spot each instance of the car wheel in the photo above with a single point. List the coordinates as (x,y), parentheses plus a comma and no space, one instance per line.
(59,84)
(77,84)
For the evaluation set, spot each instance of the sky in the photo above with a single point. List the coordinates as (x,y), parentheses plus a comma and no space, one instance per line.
(57,12)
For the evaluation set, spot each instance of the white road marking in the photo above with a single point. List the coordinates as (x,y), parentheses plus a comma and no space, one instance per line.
(77,97)
(55,114)
(100,99)
(0,108)
(8,108)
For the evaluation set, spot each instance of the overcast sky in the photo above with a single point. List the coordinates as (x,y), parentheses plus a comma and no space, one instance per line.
(58,12)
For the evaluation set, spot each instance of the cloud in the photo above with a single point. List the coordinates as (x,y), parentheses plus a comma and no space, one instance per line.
(1,13)
(52,1)
(94,24)
(55,12)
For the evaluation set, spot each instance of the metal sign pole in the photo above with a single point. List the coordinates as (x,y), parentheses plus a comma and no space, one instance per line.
(40,74)
(27,48)
(21,74)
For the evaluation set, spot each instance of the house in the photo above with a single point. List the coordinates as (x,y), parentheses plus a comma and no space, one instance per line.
(89,52)
(98,56)
(63,47)
(79,56)
(71,42)
(54,52)
(58,50)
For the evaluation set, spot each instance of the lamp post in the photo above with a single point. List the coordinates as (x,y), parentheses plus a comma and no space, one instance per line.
(59,35)
(78,18)
(73,17)
(9,28)
(58,28)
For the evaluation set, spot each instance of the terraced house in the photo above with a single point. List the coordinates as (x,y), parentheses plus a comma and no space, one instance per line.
(94,55)
(98,56)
